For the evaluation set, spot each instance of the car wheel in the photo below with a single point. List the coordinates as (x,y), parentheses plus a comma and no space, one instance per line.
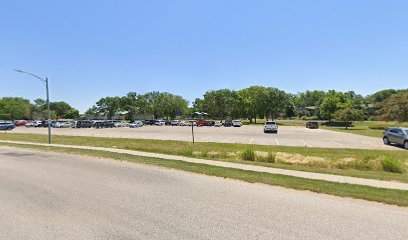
(406,145)
(386,141)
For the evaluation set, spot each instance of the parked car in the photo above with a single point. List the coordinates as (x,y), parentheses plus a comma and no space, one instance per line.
(228,123)
(210,123)
(182,123)
(396,135)
(191,123)
(104,124)
(149,122)
(174,122)
(136,124)
(117,124)
(56,124)
(124,124)
(7,126)
(201,123)
(37,123)
(20,123)
(218,124)
(66,124)
(167,122)
(160,123)
(29,124)
(271,127)
(237,123)
(84,124)
(312,125)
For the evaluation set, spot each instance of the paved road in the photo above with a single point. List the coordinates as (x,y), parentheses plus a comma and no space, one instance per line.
(288,136)
(54,196)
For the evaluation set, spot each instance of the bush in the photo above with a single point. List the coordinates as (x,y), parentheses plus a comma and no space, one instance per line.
(249,154)
(392,165)
(186,152)
(271,157)
(377,127)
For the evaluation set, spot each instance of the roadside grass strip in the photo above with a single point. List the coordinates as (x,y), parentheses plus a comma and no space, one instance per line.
(370,164)
(388,196)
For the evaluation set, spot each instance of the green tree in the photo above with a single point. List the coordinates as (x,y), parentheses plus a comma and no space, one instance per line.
(14,108)
(109,106)
(395,107)
(349,114)
(60,109)
(333,102)
(276,102)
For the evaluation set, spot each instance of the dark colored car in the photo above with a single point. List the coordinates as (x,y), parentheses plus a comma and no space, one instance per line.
(44,123)
(168,123)
(149,122)
(396,135)
(104,124)
(84,124)
(228,124)
(210,123)
(312,125)
(7,126)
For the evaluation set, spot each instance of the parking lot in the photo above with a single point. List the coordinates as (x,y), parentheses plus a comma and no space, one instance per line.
(287,136)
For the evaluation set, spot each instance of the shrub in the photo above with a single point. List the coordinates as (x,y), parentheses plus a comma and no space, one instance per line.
(377,126)
(186,152)
(392,165)
(248,154)
(271,157)
(204,154)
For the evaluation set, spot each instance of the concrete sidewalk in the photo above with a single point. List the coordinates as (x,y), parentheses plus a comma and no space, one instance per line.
(308,175)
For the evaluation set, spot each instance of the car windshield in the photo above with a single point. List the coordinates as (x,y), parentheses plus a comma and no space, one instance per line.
(270,123)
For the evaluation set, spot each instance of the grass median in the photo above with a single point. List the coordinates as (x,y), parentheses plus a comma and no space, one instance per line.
(388,196)
(346,162)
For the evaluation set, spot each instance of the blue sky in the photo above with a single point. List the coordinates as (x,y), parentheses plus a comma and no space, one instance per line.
(92,49)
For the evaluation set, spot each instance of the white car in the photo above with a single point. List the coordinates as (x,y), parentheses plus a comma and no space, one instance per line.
(182,123)
(29,124)
(174,122)
(271,127)
(192,122)
(218,124)
(237,123)
(33,124)
(160,123)
(124,124)
(136,124)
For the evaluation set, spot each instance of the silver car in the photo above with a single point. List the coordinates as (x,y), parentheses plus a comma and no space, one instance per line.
(396,135)
(271,127)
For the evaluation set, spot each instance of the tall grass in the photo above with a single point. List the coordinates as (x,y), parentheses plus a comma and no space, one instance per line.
(248,154)
(392,165)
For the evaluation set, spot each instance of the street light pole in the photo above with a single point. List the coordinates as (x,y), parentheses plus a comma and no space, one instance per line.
(45,81)
(49,112)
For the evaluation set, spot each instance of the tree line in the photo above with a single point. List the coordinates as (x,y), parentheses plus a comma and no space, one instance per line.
(255,102)
(17,108)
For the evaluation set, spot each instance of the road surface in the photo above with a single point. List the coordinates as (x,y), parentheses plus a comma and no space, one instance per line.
(57,196)
(287,136)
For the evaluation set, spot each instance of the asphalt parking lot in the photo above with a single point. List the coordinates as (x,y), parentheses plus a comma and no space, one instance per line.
(287,136)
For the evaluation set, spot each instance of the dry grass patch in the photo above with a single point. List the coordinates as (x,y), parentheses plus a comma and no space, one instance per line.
(301,160)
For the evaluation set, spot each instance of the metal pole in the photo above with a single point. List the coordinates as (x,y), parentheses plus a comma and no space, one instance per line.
(192,130)
(49,112)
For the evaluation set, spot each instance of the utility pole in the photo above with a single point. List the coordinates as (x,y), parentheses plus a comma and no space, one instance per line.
(44,81)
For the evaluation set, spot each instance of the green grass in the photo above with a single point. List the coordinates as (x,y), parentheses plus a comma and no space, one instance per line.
(388,196)
(365,128)
(368,128)
(221,151)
